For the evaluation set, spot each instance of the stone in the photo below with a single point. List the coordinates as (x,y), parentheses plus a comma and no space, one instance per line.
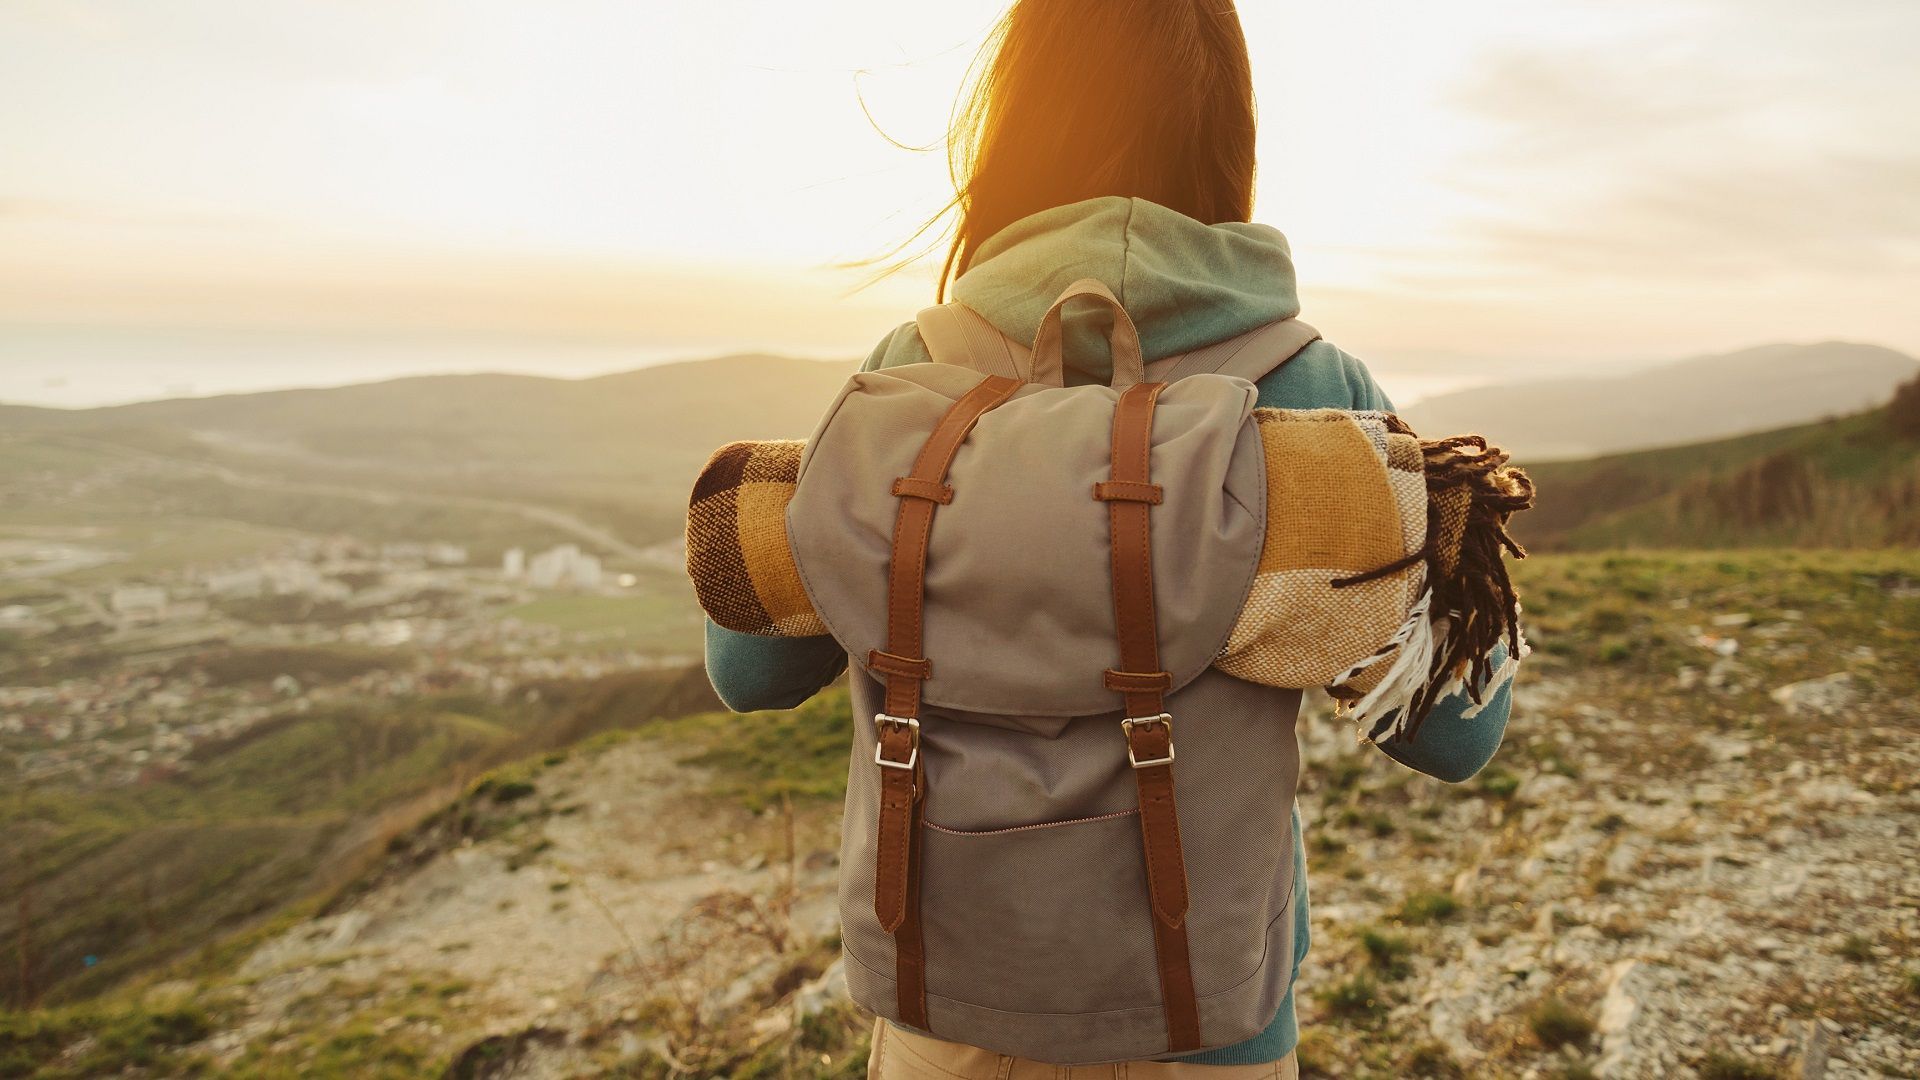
(1544,922)
(1627,983)
(347,929)
(1729,748)
(1824,696)
(816,996)
(1813,1050)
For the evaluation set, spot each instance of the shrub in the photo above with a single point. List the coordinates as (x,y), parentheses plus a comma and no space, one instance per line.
(1499,783)
(1386,953)
(1428,907)
(1904,412)
(1857,948)
(1356,997)
(1431,1060)
(1724,1066)
(1556,1024)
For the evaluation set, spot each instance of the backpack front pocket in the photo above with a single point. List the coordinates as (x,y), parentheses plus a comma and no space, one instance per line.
(1051,917)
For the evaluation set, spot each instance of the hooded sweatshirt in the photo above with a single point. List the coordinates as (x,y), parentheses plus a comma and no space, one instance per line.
(1185,285)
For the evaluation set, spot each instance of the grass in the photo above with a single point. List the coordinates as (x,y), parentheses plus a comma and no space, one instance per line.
(1843,482)
(1719,1065)
(1430,1060)
(307,663)
(1661,600)
(56,1044)
(1387,954)
(144,876)
(235,839)
(799,753)
(1498,782)
(381,1033)
(1556,1024)
(657,614)
(1421,908)
(1857,948)
(1356,997)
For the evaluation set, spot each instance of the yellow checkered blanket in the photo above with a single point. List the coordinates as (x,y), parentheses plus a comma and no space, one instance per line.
(1381,573)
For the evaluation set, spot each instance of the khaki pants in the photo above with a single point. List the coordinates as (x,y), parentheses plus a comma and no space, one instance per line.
(899,1054)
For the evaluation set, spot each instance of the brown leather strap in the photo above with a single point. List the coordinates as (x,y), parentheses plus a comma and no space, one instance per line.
(896,880)
(1128,491)
(1148,728)
(1132,544)
(907,569)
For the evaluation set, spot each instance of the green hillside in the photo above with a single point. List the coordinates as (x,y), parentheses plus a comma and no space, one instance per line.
(1849,482)
(111,882)
(617,452)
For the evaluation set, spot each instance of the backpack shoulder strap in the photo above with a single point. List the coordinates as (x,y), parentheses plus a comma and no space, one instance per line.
(1251,355)
(956,334)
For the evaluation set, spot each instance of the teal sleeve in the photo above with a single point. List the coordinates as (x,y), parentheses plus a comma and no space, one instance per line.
(1321,376)
(751,672)
(1452,746)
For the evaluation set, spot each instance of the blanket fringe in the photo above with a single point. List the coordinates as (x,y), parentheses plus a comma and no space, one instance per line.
(1469,607)
(1384,709)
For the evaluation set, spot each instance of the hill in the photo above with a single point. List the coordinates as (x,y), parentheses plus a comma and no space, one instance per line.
(110,882)
(1707,397)
(618,451)
(1690,858)
(1847,482)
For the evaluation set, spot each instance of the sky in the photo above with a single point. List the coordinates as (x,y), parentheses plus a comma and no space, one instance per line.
(206,195)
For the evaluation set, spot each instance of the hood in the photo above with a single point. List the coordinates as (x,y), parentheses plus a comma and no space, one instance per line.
(1185,284)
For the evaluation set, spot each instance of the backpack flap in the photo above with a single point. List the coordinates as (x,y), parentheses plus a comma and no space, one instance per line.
(1019,596)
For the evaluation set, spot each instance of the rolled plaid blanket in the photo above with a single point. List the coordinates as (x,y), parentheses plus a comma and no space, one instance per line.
(1381,575)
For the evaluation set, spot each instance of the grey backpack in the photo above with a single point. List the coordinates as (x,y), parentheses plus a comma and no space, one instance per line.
(1033,682)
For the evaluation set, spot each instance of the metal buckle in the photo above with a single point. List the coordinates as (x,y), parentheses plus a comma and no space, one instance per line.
(913,757)
(1127,725)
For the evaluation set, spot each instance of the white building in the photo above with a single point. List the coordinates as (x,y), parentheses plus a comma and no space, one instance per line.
(236,583)
(564,565)
(441,553)
(514,562)
(138,601)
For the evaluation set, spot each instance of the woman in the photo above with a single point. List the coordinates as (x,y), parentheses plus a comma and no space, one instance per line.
(1116,137)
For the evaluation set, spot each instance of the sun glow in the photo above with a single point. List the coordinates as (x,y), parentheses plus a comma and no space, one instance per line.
(1458,181)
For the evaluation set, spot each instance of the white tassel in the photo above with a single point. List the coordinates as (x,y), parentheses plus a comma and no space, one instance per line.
(1501,676)
(1385,707)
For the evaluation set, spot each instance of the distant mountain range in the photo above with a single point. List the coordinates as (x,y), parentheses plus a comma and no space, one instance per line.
(1708,397)
(619,452)
(1853,481)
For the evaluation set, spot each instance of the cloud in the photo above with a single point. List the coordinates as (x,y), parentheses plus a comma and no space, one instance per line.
(1756,139)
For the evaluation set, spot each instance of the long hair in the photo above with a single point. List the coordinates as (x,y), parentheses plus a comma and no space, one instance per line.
(1076,99)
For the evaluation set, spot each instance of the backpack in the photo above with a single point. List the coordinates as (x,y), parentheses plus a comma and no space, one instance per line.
(1032,862)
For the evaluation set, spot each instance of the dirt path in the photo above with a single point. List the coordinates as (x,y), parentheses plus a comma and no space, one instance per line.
(555,921)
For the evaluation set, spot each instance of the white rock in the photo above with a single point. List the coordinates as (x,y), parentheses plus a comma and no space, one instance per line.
(1824,696)
(1813,1051)
(818,995)
(1729,748)
(1627,984)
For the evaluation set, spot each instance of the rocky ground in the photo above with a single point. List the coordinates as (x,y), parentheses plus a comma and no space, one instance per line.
(1694,857)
